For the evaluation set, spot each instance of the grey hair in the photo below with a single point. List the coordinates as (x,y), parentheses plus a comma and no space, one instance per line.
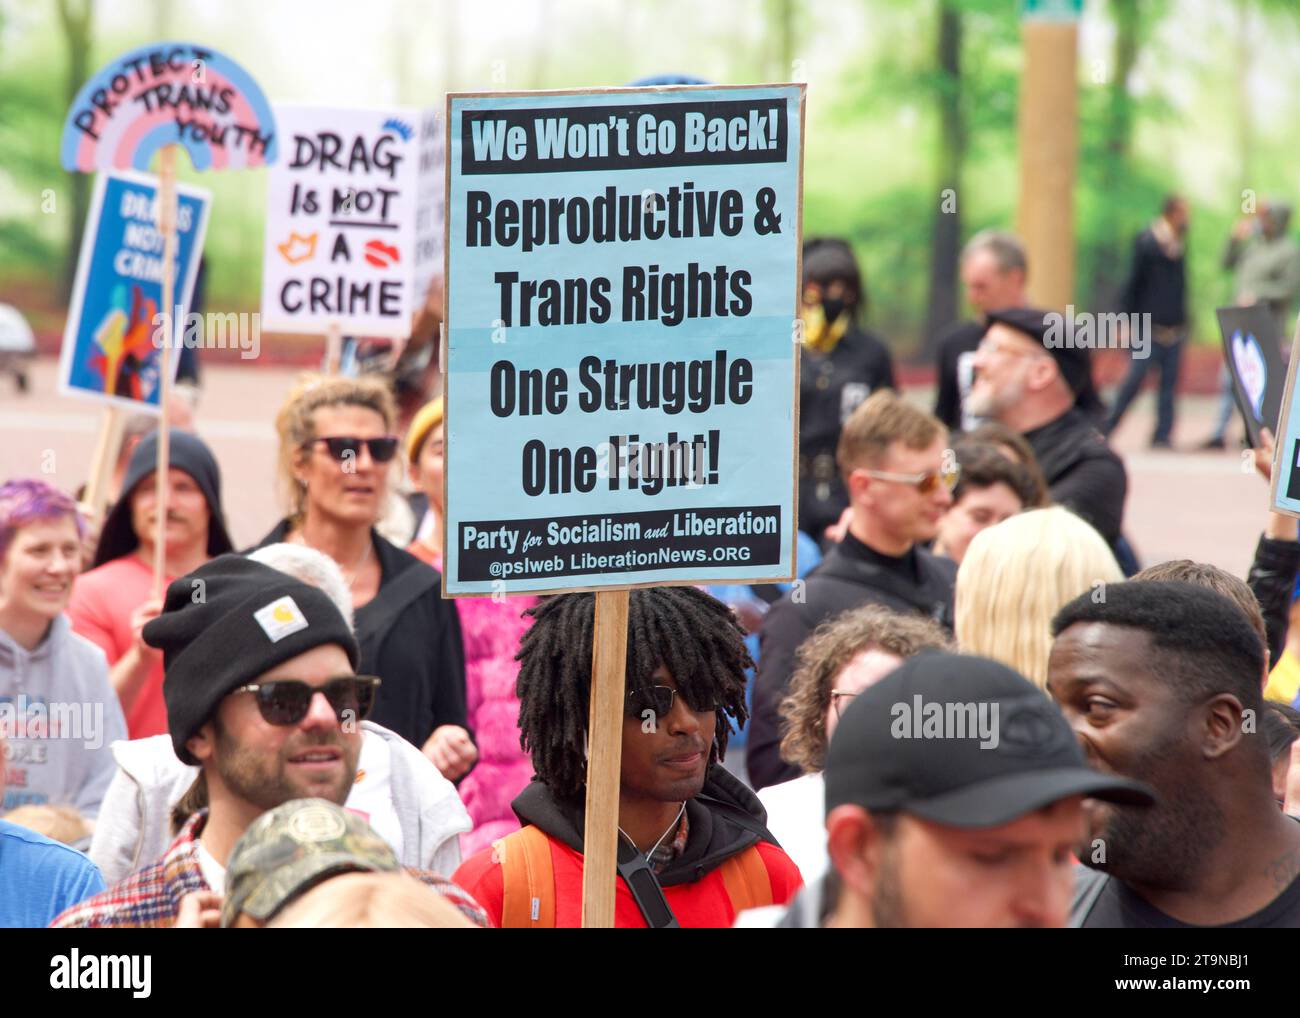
(311,567)
(1006,248)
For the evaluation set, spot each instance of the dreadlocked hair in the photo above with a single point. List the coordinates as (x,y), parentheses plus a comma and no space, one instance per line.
(693,635)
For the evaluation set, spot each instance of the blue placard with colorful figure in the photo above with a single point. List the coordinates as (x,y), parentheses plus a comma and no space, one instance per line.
(113,338)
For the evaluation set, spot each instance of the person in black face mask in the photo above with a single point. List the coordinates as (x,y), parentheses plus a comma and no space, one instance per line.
(841,365)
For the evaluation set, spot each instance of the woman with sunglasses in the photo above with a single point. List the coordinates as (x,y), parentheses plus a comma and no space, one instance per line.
(336,450)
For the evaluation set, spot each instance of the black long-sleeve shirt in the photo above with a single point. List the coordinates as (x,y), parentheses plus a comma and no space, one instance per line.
(955,371)
(1272,580)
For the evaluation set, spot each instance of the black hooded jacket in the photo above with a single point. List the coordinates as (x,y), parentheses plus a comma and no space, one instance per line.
(185,452)
(725,818)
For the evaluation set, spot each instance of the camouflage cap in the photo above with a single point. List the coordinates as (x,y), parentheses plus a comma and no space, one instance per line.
(290,848)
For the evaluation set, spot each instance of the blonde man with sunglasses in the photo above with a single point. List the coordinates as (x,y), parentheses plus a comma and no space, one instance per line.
(263,697)
(899,473)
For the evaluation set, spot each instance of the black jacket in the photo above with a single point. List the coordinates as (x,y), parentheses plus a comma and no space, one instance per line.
(1156,284)
(410,638)
(831,387)
(1083,473)
(840,582)
(725,818)
(1272,580)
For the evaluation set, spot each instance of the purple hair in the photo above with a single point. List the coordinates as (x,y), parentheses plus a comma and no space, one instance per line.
(31,501)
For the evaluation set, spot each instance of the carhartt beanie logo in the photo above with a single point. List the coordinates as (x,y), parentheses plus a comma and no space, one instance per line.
(280,618)
(225,624)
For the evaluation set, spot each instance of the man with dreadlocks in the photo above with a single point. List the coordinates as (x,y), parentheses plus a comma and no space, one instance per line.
(694,848)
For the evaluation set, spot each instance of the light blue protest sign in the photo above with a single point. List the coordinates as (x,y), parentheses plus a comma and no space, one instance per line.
(622,283)
(112,342)
(1285,479)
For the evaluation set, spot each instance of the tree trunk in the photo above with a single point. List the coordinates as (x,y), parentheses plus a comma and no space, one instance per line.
(1245,59)
(76,20)
(1110,253)
(945,237)
(785,37)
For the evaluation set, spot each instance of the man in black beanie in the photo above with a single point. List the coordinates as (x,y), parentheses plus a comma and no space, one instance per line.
(1028,375)
(111,604)
(246,648)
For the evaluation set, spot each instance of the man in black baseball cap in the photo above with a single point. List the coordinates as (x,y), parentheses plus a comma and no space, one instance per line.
(954,797)
(1029,374)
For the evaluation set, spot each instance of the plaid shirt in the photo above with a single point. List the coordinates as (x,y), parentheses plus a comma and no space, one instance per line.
(662,856)
(151,897)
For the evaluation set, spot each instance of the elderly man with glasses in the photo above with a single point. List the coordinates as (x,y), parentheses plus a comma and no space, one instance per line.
(899,473)
(1028,374)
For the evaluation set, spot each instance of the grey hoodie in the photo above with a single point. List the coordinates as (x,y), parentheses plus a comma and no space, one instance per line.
(58,717)
(135,828)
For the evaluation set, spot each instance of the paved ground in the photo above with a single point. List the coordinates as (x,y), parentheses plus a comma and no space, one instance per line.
(1180,504)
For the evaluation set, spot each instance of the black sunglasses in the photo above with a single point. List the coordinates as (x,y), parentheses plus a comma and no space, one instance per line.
(286,701)
(341,447)
(658,699)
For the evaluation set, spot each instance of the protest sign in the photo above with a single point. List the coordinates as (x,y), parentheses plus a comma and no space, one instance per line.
(621,371)
(1250,349)
(1285,483)
(621,400)
(157,99)
(112,342)
(353,220)
(163,94)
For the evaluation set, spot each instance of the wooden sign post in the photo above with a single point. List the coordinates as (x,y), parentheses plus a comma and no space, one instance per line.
(167,227)
(333,348)
(108,443)
(600,834)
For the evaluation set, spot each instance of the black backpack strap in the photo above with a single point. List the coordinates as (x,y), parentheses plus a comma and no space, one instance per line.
(640,878)
(391,601)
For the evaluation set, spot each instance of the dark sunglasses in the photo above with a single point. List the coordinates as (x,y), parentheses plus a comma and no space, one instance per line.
(381,449)
(655,698)
(286,701)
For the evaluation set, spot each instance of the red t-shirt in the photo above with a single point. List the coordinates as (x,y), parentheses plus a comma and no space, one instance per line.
(704,903)
(103,601)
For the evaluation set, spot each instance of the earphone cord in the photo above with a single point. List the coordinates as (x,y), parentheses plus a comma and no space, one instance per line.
(671,827)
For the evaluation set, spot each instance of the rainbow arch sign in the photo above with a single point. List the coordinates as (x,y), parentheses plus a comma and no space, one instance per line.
(169,93)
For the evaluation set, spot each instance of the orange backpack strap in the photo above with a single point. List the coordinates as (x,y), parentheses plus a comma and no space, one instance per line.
(747,881)
(527,879)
